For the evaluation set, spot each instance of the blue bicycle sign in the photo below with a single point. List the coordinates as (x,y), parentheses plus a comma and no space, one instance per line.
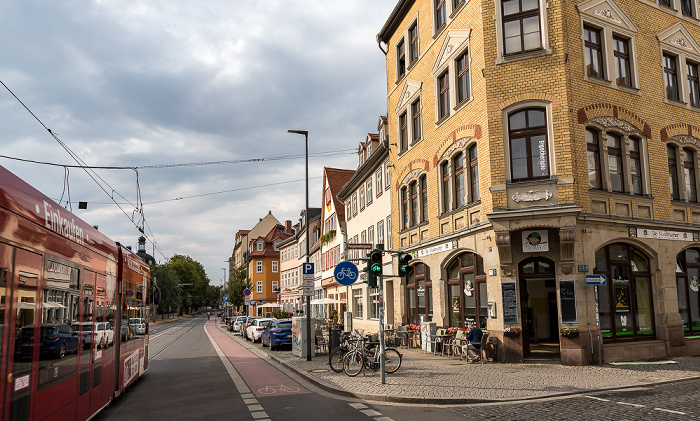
(345,273)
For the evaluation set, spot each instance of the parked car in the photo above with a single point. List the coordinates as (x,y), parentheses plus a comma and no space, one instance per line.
(137,325)
(56,339)
(254,330)
(276,333)
(229,324)
(126,333)
(244,326)
(100,333)
(238,323)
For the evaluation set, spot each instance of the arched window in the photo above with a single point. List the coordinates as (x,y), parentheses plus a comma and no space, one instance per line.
(626,302)
(419,297)
(466,289)
(688,283)
(527,133)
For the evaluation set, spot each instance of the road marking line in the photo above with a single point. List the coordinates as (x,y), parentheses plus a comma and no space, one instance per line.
(237,379)
(631,404)
(598,399)
(358,405)
(673,412)
(371,412)
(383,419)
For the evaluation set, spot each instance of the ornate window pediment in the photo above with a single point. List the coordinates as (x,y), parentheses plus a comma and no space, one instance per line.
(410,90)
(455,41)
(606,13)
(676,38)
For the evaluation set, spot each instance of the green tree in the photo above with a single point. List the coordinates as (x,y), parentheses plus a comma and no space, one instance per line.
(170,291)
(239,282)
(193,279)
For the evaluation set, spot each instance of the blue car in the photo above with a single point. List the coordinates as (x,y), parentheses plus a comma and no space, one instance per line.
(56,340)
(276,333)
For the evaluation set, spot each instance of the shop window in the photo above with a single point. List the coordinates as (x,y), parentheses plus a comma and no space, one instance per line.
(626,302)
(467,294)
(419,302)
(688,284)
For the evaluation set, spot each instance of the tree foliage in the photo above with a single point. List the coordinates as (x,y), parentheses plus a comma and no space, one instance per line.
(184,285)
(237,284)
(167,282)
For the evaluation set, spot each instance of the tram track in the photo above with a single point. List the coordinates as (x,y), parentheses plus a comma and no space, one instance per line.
(185,327)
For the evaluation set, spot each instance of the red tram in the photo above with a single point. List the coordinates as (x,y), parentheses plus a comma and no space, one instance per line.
(67,293)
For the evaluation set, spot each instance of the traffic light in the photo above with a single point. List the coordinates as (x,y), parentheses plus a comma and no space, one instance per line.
(404,268)
(375,267)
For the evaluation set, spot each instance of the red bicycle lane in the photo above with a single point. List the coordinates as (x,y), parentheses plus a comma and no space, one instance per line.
(262,378)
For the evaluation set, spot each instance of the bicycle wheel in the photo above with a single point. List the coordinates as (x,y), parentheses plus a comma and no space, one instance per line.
(335,359)
(353,362)
(392,360)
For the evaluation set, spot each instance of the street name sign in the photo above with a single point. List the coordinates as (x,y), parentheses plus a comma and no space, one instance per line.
(345,273)
(358,246)
(596,280)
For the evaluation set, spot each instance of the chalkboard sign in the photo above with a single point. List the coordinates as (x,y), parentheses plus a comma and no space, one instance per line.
(567,298)
(510,302)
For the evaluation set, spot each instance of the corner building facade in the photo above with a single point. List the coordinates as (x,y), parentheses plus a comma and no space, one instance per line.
(534,145)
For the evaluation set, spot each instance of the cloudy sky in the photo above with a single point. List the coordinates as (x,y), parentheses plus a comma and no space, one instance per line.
(155,83)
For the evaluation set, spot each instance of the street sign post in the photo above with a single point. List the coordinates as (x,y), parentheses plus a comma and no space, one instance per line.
(247,292)
(346,273)
(308,279)
(597,280)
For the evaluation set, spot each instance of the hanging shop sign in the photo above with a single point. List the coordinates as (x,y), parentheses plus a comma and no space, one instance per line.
(534,241)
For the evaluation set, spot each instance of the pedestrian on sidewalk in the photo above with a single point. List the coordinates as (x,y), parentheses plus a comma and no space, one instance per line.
(473,347)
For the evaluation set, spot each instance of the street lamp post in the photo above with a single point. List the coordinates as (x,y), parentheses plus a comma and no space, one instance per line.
(306,224)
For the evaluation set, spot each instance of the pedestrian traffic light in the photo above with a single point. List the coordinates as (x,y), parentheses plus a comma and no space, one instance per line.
(375,267)
(404,268)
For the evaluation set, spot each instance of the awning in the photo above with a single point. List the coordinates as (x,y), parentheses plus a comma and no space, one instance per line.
(269,305)
(326,301)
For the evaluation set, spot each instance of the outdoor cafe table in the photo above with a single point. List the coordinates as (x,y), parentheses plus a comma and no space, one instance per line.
(442,340)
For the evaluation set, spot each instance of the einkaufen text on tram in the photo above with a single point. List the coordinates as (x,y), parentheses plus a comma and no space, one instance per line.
(66,291)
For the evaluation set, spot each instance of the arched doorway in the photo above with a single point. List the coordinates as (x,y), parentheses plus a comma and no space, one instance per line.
(538,304)
(466,289)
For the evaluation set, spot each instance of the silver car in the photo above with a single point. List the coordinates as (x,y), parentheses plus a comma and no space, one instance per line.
(137,325)
(238,322)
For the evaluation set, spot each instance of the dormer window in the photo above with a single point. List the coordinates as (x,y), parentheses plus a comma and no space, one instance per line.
(260,245)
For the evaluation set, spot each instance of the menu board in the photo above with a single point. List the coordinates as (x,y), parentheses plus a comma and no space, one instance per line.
(510,302)
(567,300)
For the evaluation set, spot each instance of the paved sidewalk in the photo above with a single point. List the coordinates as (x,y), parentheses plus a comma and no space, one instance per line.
(427,378)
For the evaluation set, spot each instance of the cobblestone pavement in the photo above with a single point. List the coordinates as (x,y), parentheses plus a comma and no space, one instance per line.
(427,378)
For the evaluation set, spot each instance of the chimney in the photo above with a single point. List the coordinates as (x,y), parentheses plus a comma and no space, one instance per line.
(288,225)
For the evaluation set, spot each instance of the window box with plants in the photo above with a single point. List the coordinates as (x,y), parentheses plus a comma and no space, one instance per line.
(569,331)
(511,331)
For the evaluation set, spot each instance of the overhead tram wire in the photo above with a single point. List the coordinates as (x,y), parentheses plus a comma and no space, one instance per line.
(89,171)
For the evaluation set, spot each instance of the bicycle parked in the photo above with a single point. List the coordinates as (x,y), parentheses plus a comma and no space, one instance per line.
(335,357)
(366,355)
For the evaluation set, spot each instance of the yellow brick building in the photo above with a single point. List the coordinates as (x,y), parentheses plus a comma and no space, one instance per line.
(535,145)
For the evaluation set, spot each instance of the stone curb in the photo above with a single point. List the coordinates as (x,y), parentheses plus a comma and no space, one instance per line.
(438,401)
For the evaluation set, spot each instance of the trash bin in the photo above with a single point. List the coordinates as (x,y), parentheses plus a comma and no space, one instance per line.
(334,339)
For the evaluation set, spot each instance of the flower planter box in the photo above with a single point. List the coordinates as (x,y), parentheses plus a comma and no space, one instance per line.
(511,334)
(570,335)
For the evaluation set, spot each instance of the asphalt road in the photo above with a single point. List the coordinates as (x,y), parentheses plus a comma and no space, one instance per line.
(188,379)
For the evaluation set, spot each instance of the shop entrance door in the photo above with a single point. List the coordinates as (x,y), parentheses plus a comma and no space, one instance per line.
(539,308)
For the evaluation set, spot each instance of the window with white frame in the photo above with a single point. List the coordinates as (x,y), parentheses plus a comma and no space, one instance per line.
(521,29)
(451,72)
(368,187)
(374,303)
(609,45)
(683,168)
(528,148)
(259,245)
(370,235)
(362,197)
(444,11)
(380,232)
(408,111)
(407,49)
(680,61)
(275,286)
(617,157)
(378,176)
(348,210)
(357,303)
(388,231)
(259,288)
(275,266)
(680,8)
(387,178)
(354,204)
(258,266)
